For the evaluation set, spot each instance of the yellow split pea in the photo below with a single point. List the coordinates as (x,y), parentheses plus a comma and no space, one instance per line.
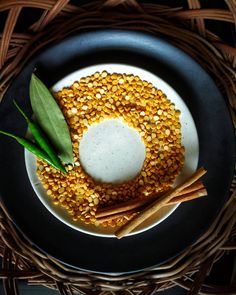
(140,105)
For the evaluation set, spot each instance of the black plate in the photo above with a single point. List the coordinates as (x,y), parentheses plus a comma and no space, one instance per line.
(188,222)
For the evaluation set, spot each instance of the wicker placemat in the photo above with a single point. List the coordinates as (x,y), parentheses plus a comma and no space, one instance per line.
(186,29)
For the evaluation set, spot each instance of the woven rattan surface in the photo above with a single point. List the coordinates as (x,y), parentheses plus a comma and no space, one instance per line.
(184,27)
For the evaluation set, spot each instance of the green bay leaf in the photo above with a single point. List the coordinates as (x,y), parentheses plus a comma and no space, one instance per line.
(51,119)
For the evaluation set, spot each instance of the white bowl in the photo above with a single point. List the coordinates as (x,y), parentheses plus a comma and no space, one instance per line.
(189,141)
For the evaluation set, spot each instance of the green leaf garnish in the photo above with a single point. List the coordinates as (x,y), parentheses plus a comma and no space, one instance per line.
(51,119)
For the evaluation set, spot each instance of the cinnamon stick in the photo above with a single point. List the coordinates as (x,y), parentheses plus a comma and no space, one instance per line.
(117,215)
(179,199)
(137,203)
(187,197)
(156,205)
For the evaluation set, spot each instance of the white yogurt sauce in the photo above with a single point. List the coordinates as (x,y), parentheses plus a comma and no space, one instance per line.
(112,152)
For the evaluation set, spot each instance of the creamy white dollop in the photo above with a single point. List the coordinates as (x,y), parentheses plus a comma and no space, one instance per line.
(112,152)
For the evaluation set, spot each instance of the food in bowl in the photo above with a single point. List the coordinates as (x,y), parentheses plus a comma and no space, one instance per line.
(141,106)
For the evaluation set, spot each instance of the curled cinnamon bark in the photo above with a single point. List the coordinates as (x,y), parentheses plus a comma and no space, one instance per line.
(156,205)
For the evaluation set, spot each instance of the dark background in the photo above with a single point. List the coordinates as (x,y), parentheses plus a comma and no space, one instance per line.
(223,270)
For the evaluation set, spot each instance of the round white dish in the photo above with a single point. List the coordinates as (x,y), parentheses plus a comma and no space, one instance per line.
(189,141)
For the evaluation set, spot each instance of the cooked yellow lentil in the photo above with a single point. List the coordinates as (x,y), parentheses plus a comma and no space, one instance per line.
(140,105)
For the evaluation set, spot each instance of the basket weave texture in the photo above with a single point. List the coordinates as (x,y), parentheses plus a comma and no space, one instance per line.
(184,27)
